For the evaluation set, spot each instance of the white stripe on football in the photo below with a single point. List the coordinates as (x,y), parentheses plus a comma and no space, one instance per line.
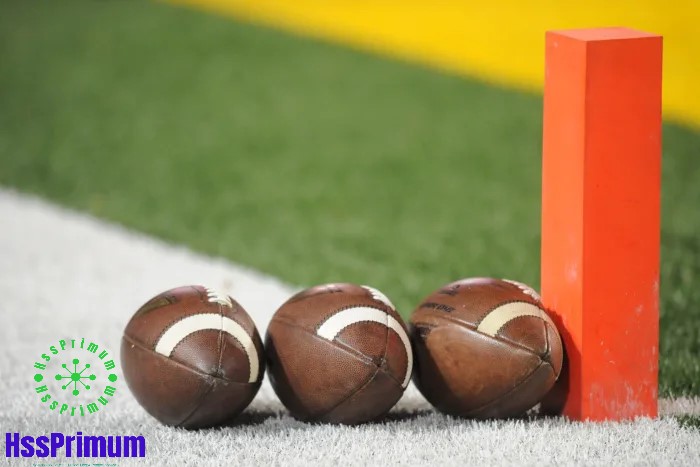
(339,321)
(502,315)
(186,326)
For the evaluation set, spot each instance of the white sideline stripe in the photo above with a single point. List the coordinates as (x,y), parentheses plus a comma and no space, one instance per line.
(498,317)
(183,328)
(680,406)
(339,321)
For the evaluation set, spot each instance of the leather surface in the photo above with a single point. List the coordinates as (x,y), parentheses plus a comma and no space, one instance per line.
(465,372)
(353,378)
(205,380)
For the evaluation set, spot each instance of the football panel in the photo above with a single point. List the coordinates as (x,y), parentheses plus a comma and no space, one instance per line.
(224,401)
(398,361)
(199,350)
(522,397)
(470,300)
(147,327)
(322,289)
(312,311)
(374,399)
(460,370)
(167,390)
(528,332)
(197,341)
(555,355)
(256,352)
(310,374)
(367,338)
(238,314)
(236,361)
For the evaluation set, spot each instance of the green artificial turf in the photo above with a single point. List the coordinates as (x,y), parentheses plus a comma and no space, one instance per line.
(302,159)
(690,421)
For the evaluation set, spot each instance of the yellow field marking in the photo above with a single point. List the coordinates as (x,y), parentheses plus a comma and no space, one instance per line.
(501,42)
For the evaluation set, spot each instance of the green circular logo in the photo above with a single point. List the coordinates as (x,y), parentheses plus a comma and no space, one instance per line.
(75,377)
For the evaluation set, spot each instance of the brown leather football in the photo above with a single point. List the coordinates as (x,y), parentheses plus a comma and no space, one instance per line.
(191,357)
(338,353)
(485,348)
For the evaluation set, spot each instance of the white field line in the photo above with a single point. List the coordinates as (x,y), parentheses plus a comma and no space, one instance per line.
(56,260)
(680,406)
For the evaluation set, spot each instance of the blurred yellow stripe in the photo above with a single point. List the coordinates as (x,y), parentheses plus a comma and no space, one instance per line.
(500,42)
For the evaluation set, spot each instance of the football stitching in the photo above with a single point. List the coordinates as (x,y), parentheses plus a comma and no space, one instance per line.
(220,350)
(301,295)
(456,319)
(330,314)
(357,391)
(221,343)
(338,345)
(506,339)
(544,320)
(547,331)
(506,394)
(386,339)
(548,348)
(138,344)
(221,330)
(173,323)
(371,378)
(199,403)
(472,328)
(378,296)
(500,304)
(387,317)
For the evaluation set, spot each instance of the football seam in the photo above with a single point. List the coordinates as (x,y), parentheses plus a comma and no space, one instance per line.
(359,356)
(357,391)
(514,388)
(390,313)
(220,350)
(339,345)
(222,342)
(220,339)
(547,331)
(377,367)
(470,327)
(511,341)
(295,299)
(481,316)
(198,405)
(548,348)
(203,297)
(135,342)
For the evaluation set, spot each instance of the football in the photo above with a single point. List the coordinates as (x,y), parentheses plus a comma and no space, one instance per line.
(338,353)
(192,357)
(485,348)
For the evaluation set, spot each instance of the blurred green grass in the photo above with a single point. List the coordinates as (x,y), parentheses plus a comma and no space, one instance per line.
(302,159)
